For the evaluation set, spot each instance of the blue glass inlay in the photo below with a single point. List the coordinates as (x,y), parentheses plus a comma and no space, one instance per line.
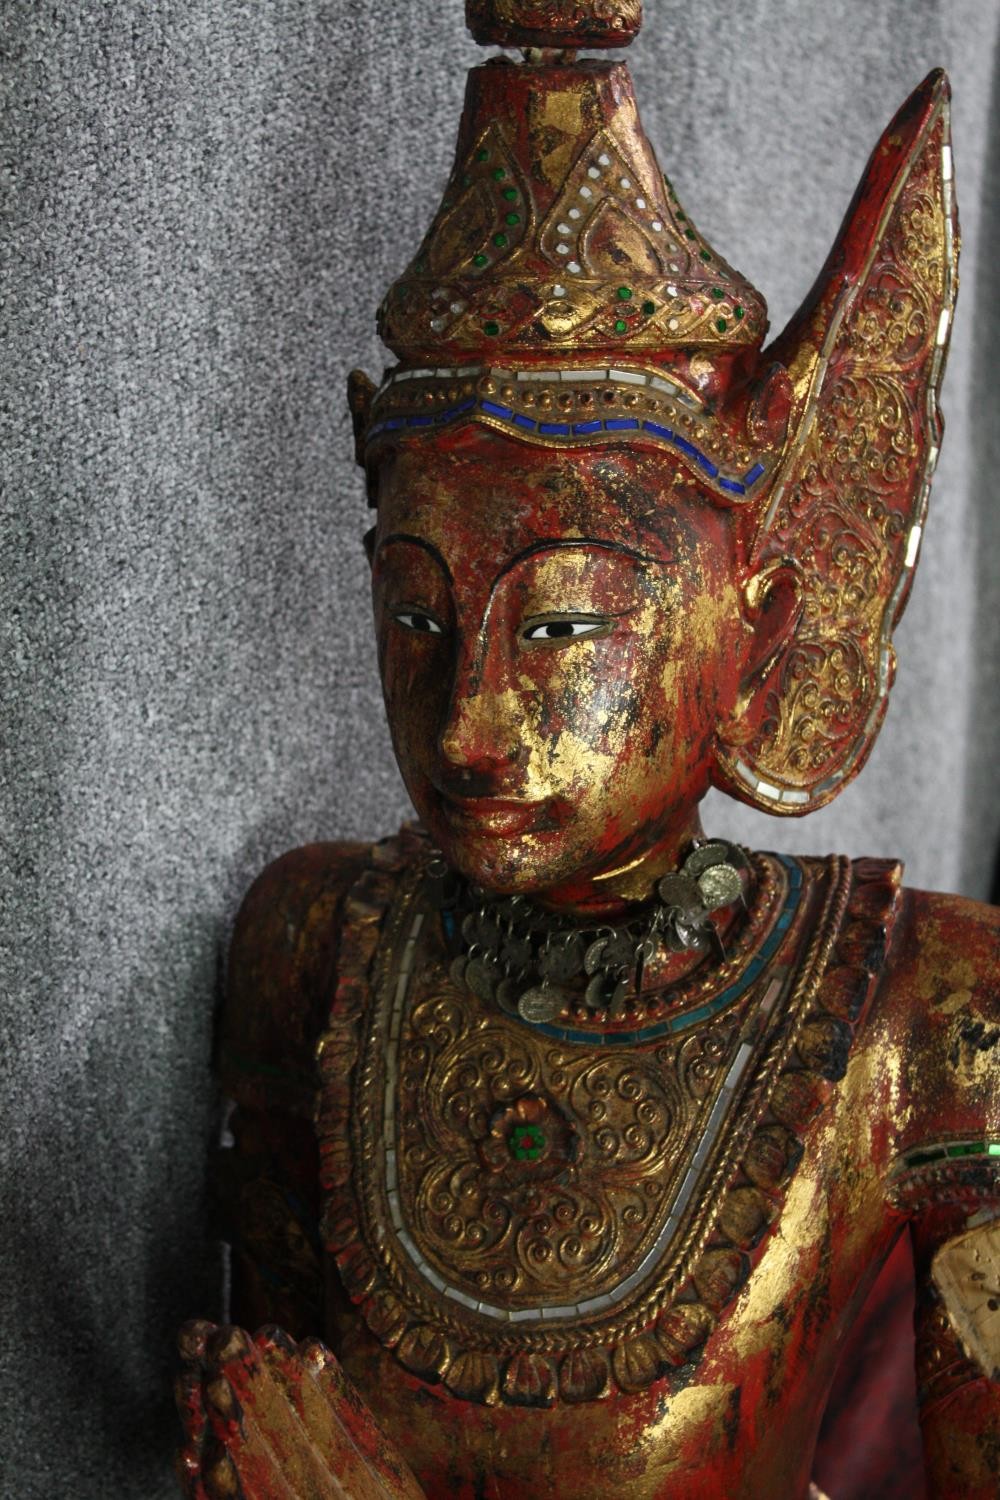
(581,429)
(711,1007)
(456,411)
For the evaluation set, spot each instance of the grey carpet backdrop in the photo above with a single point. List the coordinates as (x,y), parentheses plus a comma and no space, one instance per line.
(203,201)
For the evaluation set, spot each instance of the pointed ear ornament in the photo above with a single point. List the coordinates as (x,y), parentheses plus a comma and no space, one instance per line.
(866,356)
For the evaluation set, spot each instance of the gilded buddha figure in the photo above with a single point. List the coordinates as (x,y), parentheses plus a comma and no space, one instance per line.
(569,1140)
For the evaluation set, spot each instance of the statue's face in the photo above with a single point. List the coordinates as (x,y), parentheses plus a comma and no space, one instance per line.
(558,635)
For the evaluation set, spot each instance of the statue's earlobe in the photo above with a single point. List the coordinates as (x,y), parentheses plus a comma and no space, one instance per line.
(772,608)
(866,355)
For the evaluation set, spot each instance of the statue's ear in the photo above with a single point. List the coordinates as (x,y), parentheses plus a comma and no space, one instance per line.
(865,354)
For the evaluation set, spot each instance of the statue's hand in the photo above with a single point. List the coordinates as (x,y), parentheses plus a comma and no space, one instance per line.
(268,1419)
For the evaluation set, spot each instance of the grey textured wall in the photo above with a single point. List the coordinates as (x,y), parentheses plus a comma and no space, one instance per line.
(203,201)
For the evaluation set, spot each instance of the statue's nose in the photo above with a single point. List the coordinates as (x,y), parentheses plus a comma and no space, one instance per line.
(483,732)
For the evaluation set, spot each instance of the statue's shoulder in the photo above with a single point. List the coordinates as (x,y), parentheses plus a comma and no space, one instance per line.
(943,976)
(282,971)
(937,1028)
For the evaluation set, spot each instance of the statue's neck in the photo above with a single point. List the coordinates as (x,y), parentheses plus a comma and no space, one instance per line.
(613,891)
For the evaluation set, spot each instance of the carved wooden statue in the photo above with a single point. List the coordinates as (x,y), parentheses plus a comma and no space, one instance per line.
(569,1141)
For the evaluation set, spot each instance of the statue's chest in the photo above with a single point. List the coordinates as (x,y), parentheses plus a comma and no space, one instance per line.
(529,1180)
(529,1218)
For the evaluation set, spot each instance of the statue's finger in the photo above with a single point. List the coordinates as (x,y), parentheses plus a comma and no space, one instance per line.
(187,1467)
(190,1408)
(191,1339)
(238,1465)
(318,1418)
(379,1455)
(228,1343)
(251,1415)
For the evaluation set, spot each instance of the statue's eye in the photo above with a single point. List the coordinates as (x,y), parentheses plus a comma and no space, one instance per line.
(415,619)
(563,628)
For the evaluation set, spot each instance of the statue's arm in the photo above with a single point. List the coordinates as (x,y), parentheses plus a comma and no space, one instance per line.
(282,973)
(946,1178)
(271,1416)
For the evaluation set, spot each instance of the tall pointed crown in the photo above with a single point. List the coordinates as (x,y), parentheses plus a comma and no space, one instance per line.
(560,236)
(564,298)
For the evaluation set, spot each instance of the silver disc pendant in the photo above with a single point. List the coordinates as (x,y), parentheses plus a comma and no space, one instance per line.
(506,996)
(679,891)
(481,975)
(715,852)
(562,958)
(719,885)
(539,1004)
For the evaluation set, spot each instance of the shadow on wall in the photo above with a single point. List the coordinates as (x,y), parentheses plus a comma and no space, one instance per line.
(106,1241)
(983,287)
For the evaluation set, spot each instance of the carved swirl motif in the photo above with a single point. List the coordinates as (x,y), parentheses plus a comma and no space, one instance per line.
(608,1140)
(518,1237)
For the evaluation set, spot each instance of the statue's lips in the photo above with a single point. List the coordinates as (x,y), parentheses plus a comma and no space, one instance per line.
(497,817)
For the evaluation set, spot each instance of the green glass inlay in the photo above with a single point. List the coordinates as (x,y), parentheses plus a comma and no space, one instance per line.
(649,308)
(682,218)
(921,1158)
(737,312)
(956,1149)
(704,255)
(721,324)
(492,329)
(480,260)
(624,294)
(466,181)
(718,293)
(510,194)
(482,154)
(500,240)
(499,173)
(526,1142)
(512,218)
(689,234)
(621,326)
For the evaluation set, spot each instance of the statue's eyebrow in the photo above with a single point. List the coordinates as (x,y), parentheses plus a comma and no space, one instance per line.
(417,541)
(551,543)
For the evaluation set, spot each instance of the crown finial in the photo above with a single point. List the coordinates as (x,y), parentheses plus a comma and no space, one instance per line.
(554,24)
